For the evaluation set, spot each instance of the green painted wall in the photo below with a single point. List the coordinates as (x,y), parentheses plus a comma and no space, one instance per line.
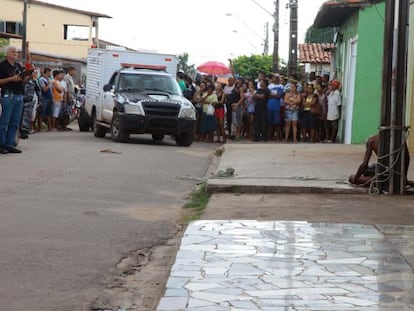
(349,30)
(367,26)
(367,101)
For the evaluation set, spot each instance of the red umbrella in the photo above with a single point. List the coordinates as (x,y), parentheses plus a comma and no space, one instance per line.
(214,68)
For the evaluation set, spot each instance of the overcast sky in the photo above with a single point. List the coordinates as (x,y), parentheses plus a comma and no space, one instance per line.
(200,28)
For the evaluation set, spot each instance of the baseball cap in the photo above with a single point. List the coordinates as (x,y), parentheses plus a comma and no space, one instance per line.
(335,83)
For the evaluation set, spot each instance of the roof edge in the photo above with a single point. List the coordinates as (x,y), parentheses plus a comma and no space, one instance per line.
(51,5)
(6,35)
(332,13)
(57,56)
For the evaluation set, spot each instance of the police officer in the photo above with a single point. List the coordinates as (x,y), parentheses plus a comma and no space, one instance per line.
(31,95)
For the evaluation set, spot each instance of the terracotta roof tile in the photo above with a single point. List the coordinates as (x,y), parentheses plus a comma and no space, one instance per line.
(315,53)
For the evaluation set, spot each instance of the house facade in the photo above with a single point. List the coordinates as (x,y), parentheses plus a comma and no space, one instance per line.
(51,29)
(316,57)
(357,62)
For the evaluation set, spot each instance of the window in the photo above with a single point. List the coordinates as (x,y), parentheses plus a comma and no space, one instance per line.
(147,82)
(15,28)
(74,32)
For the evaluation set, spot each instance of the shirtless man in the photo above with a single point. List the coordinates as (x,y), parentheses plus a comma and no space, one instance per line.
(361,177)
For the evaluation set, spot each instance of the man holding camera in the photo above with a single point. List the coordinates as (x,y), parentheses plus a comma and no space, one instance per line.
(12,79)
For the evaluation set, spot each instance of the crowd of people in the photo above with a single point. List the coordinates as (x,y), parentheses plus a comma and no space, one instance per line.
(267,108)
(272,108)
(30,103)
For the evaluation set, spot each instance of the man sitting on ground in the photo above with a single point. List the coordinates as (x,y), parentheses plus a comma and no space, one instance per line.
(366,173)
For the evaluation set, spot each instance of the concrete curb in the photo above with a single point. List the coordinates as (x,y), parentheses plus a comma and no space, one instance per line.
(229,186)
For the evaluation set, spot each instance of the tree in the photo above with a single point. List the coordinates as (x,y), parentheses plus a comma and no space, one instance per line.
(250,66)
(283,68)
(320,35)
(3,44)
(183,65)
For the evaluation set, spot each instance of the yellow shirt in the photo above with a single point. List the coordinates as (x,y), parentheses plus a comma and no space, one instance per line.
(308,103)
(212,98)
(57,96)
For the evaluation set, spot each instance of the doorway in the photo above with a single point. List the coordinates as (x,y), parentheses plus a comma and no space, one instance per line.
(350,90)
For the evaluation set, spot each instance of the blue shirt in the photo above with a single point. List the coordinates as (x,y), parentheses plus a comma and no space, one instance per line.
(274,103)
(43,82)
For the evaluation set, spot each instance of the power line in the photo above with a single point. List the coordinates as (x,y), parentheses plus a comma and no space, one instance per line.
(246,24)
(252,45)
(260,6)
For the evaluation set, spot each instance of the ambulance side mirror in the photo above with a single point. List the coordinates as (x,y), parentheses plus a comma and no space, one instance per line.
(107,87)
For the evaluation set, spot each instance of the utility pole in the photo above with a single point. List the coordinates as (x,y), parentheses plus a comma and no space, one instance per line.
(393,131)
(276,38)
(266,42)
(293,42)
(275,16)
(24,35)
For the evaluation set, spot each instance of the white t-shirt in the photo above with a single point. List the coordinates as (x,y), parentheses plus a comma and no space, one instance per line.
(64,85)
(228,89)
(70,85)
(334,101)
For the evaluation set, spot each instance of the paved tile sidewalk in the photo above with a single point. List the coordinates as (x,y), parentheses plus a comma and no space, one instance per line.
(297,266)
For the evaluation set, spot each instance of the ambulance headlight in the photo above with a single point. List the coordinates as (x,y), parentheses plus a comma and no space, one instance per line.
(133,109)
(188,113)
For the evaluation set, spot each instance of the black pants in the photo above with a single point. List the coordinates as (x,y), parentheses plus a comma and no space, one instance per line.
(229,117)
(260,122)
